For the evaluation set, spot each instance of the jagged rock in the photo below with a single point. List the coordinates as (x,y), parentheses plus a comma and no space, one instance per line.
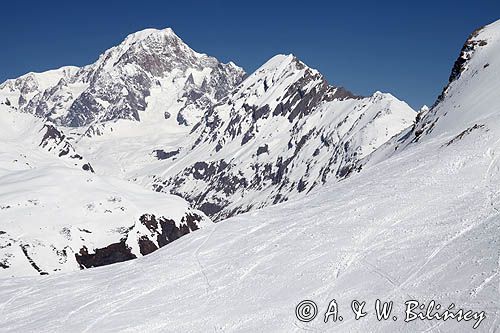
(110,254)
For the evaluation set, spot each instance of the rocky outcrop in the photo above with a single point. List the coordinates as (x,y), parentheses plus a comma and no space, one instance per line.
(111,254)
(164,155)
(147,235)
(56,142)
(164,231)
(460,64)
(161,231)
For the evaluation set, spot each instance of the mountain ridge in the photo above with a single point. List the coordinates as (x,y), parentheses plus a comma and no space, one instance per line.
(240,150)
(183,112)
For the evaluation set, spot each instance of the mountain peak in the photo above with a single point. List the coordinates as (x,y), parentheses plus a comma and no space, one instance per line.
(154,40)
(146,33)
(126,80)
(280,58)
(281,61)
(283,67)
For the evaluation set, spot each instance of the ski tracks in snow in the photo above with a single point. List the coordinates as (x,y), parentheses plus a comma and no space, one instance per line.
(196,255)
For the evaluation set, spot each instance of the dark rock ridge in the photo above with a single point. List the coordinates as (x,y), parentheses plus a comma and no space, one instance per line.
(460,64)
(163,155)
(165,230)
(111,254)
(25,249)
(147,235)
(162,231)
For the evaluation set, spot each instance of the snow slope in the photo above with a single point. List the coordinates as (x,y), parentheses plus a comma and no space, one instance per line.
(422,224)
(27,135)
(468,103)
(57,215)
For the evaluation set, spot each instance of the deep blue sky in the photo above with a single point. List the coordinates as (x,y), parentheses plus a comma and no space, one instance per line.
(403,47)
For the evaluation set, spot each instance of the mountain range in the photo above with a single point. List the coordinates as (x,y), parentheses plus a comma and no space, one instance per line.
(154,112)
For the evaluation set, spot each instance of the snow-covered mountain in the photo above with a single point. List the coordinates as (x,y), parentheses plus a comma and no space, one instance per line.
(198,131)
(26,131)
(154,64)
(280,133)
(422,224)
(57,215)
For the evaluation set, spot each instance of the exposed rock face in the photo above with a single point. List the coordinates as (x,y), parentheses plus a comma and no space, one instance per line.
(282,132)
(118,84)
(56,142)
(111,254)
(162,231)
(38,93)
(164,155)
(460,64)
(166,230)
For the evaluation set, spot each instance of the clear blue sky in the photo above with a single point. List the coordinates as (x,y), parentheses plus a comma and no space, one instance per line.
(403,47)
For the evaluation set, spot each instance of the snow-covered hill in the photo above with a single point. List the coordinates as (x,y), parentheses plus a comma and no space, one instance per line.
(24,134)
(283,132)
(423,224)
(418,227)
(57,215)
